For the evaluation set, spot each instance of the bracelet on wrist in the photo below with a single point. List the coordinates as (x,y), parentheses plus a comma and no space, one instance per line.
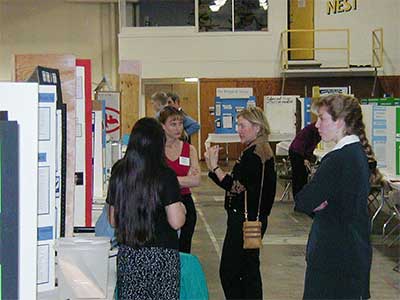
(215,169)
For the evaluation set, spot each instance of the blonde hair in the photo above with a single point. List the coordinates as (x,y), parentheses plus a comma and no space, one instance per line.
(348,108)
(256,116)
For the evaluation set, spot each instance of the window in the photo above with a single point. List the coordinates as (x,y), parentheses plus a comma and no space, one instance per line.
(248,15)
(215,16)
(150,13)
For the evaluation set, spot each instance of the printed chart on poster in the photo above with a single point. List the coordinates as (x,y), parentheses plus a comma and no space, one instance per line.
(281,114)
(46,187)
(228,103)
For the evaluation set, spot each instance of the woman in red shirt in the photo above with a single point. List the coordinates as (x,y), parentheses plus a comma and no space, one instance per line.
(182,158)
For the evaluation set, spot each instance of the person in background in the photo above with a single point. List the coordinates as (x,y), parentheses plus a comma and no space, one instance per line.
(158,100)
(146,211)
(240,268)
(339,251)
(301,155)
(189,124)
(182,158)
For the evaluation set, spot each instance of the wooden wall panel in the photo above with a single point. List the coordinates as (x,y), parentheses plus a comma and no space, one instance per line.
(390,85)
(208,90)
(188,94)
(150,89)
(130,86)
(361,88)
(24,65)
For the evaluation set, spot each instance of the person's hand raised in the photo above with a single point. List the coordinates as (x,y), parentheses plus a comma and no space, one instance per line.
(211,156)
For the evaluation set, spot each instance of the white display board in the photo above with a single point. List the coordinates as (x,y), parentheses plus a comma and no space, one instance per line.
(281,114)
(113,119)
(380,128)
(46,187)
(58,183)
(80,164)
(234,93)
(98,162)
(21,101)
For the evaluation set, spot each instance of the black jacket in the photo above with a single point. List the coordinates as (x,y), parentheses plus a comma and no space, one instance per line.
(246,174)
(339,238)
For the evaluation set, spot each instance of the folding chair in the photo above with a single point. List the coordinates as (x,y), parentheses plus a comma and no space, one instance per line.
(285,174)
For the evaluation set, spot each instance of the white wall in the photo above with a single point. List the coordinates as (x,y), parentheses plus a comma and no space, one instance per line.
(370,15)
(183,52)
(57,26)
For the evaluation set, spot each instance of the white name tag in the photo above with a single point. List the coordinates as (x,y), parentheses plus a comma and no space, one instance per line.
(184,161)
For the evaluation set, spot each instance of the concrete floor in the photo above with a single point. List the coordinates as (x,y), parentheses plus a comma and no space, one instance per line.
(282,257)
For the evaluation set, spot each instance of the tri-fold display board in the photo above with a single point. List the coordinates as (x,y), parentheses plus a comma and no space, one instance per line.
(83,168)
(282,113)
(9,208)
(382,126)
(14,97)
(46,187)
(228,103)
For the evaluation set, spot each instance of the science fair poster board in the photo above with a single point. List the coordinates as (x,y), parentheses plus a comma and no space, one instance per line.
(281,114)
(15,95)
(382,127)
(46,176)
(228,103)
(9,209)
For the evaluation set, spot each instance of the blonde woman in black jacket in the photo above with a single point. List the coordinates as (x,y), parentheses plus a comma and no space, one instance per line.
(240,268)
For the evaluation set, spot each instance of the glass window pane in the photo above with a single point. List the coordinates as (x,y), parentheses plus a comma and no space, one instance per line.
(251,15)
(215,15)
(147,13)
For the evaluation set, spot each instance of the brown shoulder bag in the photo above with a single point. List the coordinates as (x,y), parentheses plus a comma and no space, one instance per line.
(252,229)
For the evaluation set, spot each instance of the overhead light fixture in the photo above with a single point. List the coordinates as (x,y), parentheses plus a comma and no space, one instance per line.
(214,8)
(191,79)
(217,5)
(264,4)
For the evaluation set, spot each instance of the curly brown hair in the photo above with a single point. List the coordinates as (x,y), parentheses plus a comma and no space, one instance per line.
(348,108)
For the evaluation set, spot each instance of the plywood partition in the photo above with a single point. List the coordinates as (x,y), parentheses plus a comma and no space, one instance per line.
(208,87)
(361,87)
(187,93)
(150,89)
(24,65)
(130,88)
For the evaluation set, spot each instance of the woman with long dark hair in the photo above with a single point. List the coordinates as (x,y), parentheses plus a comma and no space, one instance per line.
(146,211)
(182,158)
(339,251)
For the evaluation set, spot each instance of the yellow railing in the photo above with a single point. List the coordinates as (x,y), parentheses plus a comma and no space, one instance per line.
(377,48)
(285,49)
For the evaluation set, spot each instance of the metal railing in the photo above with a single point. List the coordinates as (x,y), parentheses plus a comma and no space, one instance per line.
(377,48)
(285,49)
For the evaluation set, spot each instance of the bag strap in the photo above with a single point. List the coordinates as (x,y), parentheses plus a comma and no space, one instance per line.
(259,199)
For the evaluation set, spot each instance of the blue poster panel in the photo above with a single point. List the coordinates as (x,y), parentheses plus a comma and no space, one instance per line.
(226,111)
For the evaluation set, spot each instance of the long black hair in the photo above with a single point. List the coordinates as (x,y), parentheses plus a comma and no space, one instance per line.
(135,183)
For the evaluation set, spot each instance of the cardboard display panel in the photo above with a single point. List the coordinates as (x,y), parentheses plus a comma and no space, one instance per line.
(24,65)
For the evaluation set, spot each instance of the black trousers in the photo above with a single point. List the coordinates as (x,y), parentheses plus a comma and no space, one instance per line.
(240,268)
(299,172)
(187,230)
